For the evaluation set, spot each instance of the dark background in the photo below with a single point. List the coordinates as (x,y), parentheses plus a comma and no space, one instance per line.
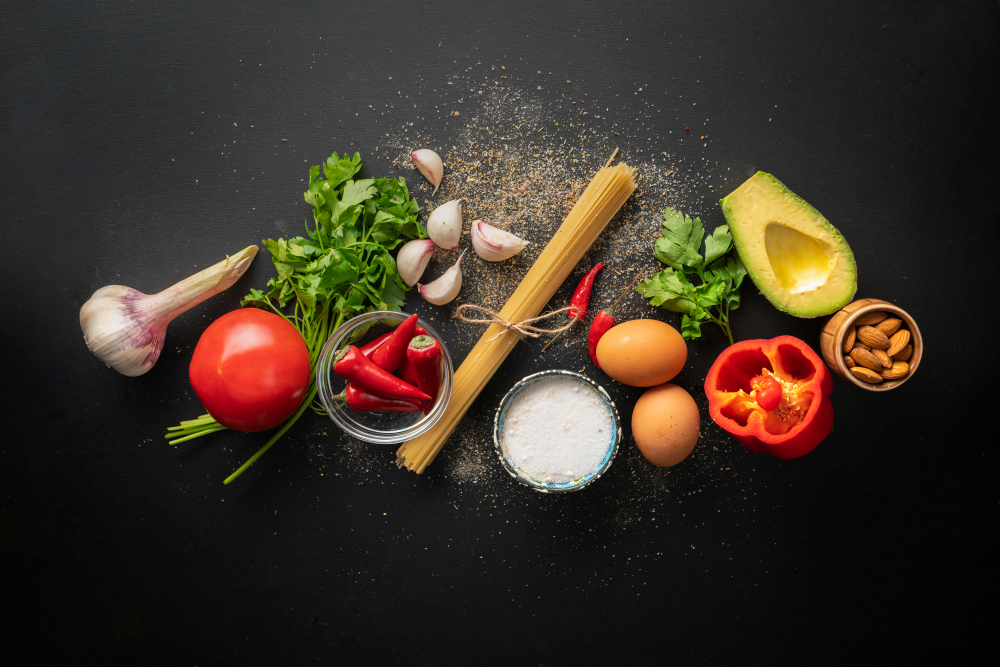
(127,157)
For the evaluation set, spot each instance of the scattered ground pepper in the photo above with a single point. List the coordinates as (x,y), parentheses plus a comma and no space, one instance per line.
(519,159)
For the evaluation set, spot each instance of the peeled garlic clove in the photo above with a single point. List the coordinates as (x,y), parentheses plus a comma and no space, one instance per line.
(444,225)
(412,260)
(429,164)
(446,288)
(494,244)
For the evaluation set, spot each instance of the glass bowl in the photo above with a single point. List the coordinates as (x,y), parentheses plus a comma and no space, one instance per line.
(561,487)
(378,427)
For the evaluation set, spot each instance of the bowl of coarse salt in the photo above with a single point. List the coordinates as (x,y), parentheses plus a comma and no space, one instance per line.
(556,431)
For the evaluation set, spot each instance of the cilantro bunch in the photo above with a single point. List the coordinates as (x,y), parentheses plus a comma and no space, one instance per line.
(719,275)
(341,268)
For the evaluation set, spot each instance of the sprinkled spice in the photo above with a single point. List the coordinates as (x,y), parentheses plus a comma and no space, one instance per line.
(519,159)
(520,163)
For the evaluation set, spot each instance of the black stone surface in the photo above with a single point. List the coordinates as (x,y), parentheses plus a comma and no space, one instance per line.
(127,157)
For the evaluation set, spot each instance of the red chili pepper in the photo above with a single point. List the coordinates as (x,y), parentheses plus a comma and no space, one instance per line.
(407,372)
(360,400)
(424,354)
(740,390)
(369,348)
(351,365)
(581,297)
(390,354)
(603,321)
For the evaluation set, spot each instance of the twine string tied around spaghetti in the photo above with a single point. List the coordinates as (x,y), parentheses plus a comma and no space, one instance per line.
(520,329)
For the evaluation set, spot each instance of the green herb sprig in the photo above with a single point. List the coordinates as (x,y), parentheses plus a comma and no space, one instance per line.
(340,269)
(720,275)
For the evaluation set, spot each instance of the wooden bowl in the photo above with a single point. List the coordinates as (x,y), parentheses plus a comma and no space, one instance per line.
(831,340)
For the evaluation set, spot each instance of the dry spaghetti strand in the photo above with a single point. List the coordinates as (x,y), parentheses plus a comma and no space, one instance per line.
(603,198)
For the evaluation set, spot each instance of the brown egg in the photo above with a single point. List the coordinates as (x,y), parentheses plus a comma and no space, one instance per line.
(666,424)
(642,353)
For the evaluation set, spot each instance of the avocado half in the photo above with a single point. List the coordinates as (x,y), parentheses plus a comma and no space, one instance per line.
(797,259)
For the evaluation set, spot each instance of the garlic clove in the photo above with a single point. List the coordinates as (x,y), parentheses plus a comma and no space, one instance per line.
(494,244)
(446,288)
(430,165)
(444,225)
(125,328)
(412,260)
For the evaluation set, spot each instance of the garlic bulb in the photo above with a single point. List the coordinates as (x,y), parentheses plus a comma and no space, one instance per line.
(446,288)
(444,225)
(125,328)
(429,164)
(494,244)
(412,260)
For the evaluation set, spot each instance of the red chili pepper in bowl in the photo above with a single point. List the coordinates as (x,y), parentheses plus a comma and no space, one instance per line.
(580,299)
(351,365)
(361,400)
(369,348)
(772,396)
(424,356)
(603,321)
(390,354)
(407,372)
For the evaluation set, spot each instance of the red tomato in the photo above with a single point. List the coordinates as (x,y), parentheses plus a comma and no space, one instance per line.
(250,369)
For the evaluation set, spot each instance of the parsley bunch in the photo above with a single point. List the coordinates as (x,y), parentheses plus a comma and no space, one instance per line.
(341,268)
(720,275)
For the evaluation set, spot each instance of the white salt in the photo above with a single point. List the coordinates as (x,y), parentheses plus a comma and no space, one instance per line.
(557,430)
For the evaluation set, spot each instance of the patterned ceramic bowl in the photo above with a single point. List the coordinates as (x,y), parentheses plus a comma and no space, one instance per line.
(564,487)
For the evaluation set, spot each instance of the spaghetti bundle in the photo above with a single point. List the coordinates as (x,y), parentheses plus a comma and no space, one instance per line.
(602,199)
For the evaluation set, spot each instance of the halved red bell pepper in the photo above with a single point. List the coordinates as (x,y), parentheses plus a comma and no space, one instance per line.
(744,376)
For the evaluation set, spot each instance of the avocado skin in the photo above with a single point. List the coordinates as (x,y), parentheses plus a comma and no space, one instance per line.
(847,263)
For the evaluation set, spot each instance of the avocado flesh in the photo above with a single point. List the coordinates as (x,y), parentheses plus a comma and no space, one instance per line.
(797,259)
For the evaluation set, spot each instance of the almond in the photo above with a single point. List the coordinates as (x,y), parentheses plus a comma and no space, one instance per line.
(866,359)
(872,337)
(866,375)
(861,346)
(904,354)
(849,362)
(898,370)
(849,340)
(883,358)
(889,326)
(899,340)
(871,318)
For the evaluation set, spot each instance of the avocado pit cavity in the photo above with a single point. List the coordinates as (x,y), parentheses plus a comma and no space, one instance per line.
(800,262)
